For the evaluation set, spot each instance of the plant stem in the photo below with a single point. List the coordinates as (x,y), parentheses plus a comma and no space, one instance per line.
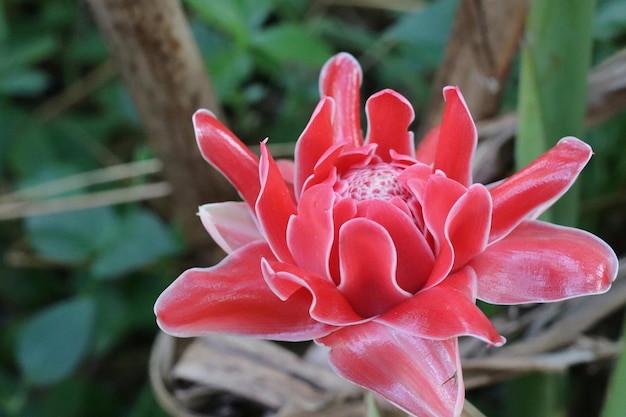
(553,86)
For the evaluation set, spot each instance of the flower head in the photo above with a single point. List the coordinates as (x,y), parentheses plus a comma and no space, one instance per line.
(378,250)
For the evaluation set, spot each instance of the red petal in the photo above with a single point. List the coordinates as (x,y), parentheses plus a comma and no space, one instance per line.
(341,79)
(310,233)
(343,211)
(421,376)
(444,311)
(427,148)
(274,206)
(314,141)
(415,257)
(232,297)
(222,149)
(468,224)
(389,115)
(367,260)
(540,262)
(457,138)
(328,303)
(533,189)
(465,233)
(230,224)
(439,195)
(324,171)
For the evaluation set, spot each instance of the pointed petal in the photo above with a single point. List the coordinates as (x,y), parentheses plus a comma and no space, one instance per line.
(222,149)
(367,260)
(389,115)
(274,206)
(324,170)
(328,304)
(415,257)
(316,138)
(457,138)
(310,233)
(444,311)
(540,262)
(530,191)
(230,224)
(421,376)
(341,79)
(232,297)
(427,148)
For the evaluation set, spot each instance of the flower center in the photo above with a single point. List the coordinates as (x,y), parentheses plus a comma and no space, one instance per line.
(373,182)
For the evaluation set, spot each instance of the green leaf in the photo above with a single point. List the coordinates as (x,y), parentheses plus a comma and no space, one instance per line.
(292,43)
(141,238)
(71,236)
(24,83)
(428,26)
(609,21)
(53,342)
(229,67)
(26,52)
(226,15)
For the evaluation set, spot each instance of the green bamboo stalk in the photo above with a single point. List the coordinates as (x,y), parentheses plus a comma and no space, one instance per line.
(615,401)
(552,99)
(555,59)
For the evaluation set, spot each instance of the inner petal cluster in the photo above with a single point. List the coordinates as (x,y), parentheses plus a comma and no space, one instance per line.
(377,181)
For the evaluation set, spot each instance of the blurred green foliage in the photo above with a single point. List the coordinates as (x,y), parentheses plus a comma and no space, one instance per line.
(77,287)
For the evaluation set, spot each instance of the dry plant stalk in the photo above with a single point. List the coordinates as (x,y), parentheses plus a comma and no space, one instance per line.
(483,43)
(159,61)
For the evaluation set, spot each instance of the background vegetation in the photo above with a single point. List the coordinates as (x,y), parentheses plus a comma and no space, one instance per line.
(77,287)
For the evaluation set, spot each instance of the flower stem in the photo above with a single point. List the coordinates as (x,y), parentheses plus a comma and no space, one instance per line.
(615,401)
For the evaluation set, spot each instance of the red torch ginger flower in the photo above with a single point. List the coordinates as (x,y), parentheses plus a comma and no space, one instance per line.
(378,251)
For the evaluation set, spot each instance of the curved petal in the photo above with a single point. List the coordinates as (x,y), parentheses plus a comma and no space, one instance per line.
(415,178)
(316,138)
(457,138)
(222,149)
(415,257)
(310,233)
(540,262)
(533,189)
(444,311)
(341,79)
(230,224)
(232,297)
(389,115)
(343,211)
(427,148)
(439,196)
(274,206)
(465,233)
(421,376)
(328,303)
(367,261)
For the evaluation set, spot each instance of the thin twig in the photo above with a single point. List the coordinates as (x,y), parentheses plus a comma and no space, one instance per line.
(141,192)
(83,180)
(75,93)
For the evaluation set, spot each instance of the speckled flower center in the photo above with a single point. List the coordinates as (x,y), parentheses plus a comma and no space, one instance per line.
(378,182)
